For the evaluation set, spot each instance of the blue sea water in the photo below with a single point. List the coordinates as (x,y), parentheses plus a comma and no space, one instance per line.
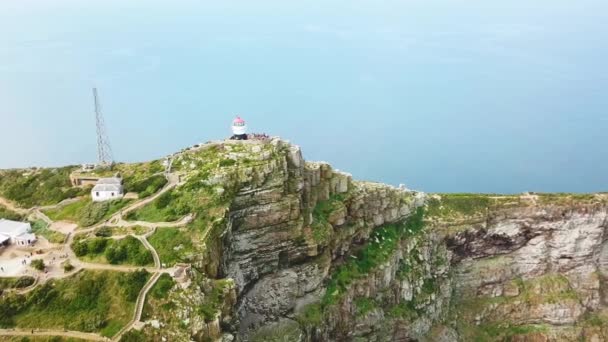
(444,96)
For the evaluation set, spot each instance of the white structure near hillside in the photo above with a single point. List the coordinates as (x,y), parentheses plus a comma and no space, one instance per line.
(17,233)
(107,189)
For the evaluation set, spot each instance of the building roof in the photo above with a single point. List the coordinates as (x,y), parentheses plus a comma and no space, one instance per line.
(110,180)
(12,228)
(4,238)
(26,237)
(107,187)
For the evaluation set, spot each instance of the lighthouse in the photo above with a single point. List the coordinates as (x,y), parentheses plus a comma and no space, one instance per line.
(239,129)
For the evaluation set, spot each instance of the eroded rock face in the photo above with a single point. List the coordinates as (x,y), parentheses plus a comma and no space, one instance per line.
(270,250)
(538,267)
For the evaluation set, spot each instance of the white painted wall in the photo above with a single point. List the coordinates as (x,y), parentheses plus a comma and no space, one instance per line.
(101,196)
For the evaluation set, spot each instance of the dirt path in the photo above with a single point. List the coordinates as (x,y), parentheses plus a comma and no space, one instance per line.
(39,214)
(172,182)
(148,246)
(115,220)
(139,307)
(12,206)
(46,332)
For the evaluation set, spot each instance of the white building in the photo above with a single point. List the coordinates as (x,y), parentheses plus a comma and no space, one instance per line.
(17,233)
(107,189)
(239,129)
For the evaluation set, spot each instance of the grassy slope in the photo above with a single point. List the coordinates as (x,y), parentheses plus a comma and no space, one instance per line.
(40,228)
(90,301)
(167,242)
(7,214)
(70,212)
(126,251)
(38,187)
(85,212)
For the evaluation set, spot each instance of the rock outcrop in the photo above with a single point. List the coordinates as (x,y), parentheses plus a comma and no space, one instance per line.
(299,251)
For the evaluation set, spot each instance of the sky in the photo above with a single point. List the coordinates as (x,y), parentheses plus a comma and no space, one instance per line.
(443,96)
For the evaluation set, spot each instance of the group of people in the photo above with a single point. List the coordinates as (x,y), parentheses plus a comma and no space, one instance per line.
(252,136)
(258,136)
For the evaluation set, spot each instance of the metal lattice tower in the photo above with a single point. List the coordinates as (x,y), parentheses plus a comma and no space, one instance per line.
(104,151)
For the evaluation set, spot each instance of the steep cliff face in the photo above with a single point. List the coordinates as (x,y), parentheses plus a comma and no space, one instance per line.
(533,270)
(285,237)
(297,251)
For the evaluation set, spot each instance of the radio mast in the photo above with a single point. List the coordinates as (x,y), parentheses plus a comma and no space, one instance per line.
(104,151)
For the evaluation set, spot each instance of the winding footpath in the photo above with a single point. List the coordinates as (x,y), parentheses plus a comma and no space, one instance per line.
(117,221)
(47,332)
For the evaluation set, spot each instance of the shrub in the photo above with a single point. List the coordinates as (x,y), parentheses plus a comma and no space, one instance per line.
(97,245)
(103,232)
(68,267)
(145,187)
(132,283)
(38,264)
(162,286)
(116,254)
(80,248)
(227,162)
(5,213)
(133,336)
(39,187)
(24,281)
(93,212)
(163,200)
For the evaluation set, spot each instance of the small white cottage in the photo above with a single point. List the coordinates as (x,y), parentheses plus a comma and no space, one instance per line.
(17,233)
(107,189)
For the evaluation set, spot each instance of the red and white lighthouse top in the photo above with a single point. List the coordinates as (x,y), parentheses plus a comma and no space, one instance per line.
(238,121)
(238,126)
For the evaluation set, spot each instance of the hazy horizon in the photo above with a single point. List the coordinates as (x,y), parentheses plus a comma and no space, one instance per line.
(444,96)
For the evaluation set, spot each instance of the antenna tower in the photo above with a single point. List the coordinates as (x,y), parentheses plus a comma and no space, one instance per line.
(104,151)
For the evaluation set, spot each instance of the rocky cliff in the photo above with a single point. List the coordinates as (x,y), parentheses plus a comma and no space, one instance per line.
(297,251)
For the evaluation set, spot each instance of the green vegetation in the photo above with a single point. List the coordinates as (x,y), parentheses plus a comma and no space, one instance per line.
(547,289)
(119,231)
(451,205)
(500,332)
(41,228)
(164,284)
(364,305)
(381,246)
(7,214)
(406,311)
(89,301)
(322,230)
(144,187)
(94,212)
(168,207)
(16,283)
(311,315)
(214,298)
(69,212)
(38,186)
(67,266)
(571,198)
(38,264)
(86,212)
(134,336)
(287,331)
(43,339)
(173,245)
(129,251)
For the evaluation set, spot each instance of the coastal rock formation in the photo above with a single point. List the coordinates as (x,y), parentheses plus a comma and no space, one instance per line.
(298,251)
